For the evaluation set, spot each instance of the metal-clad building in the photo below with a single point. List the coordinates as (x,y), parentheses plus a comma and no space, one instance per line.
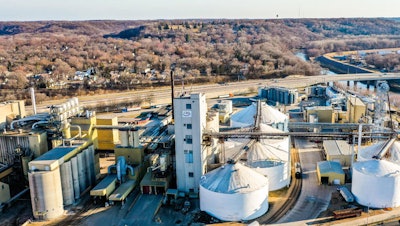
(36,142)
(279,94)
(190,121)
(338,151)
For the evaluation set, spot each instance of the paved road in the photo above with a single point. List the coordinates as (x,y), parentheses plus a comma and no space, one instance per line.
(313,197)
(161,95)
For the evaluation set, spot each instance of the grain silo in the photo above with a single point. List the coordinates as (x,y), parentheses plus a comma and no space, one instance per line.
(376,183)
(245,117)
(271,158)
(234,192)
(46,194)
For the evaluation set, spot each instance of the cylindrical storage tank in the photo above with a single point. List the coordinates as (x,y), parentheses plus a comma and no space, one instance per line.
(81,171)
(67,185)
(75,177)
(89,181)
(92,163)
(241,192)
(272,162)
(376,183)
(124,138)
(46,194)
(367,153)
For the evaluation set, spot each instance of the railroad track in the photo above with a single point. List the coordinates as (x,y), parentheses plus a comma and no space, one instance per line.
(293,195)
(79,215)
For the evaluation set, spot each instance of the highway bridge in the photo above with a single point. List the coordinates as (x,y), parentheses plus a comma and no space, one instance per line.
(161,95)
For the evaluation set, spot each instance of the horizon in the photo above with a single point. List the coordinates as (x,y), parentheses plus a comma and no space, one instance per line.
(134,10)
(289,18)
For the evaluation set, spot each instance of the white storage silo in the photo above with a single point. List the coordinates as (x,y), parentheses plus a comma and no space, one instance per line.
(234,192)
(89,181)
(376,183)
(81,171)
(75,177)
(272,162)
(367,153)
(46,194)
(245,117)
(92,163)
(66,183)
(273,117)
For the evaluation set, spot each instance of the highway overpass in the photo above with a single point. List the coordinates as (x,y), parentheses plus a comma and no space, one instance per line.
(161,95)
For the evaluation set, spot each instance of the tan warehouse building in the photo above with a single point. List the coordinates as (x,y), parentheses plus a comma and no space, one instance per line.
(338,151)
(356,109)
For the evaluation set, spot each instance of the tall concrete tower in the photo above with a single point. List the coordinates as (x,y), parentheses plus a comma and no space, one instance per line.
(190,122)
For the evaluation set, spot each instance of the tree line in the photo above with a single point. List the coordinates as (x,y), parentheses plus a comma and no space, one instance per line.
(137,54)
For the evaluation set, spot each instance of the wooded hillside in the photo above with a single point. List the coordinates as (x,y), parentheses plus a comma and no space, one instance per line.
(133,54)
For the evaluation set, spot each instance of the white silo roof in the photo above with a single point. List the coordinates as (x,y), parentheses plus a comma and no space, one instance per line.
(233,193)
(233,178)
(259,153)
(378,168)
(271,161)
(366,153)
(245,117)
(376,183)
(270,114)
(280,147)
(233,146)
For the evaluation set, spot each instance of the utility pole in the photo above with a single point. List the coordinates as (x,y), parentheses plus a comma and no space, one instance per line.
(172,89)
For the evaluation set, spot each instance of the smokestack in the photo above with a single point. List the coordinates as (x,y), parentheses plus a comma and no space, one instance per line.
(172,92)
(33,100)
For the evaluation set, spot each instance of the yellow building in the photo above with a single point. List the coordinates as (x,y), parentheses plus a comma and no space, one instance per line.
(107,138)
(338,151)
(356,109)
(11,110)
(323,113)
(330,172)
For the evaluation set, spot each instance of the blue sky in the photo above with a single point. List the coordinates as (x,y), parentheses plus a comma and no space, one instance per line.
(28,10)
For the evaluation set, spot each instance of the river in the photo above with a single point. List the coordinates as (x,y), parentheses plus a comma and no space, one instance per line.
(359,85)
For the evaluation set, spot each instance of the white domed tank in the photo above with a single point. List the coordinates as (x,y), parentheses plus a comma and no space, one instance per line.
(392,155)
(46,194)
(367,153)
(245,117)
(234,192)
(272,162)
(273,117)
(376,183)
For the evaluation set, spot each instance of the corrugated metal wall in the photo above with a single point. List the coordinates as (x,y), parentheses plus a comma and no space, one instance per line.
(8,145)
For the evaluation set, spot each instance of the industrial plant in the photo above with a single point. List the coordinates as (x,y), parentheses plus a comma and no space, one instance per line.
(211,159)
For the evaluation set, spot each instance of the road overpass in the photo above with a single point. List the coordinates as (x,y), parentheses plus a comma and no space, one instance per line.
(161,95)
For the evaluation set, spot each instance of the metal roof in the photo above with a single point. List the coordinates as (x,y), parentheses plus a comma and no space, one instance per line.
(337,147)
(56,153)
(329,167)
(378,168)
(233,178)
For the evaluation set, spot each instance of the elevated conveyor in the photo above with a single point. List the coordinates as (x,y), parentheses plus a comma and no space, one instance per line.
(123,191)
(105,187)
